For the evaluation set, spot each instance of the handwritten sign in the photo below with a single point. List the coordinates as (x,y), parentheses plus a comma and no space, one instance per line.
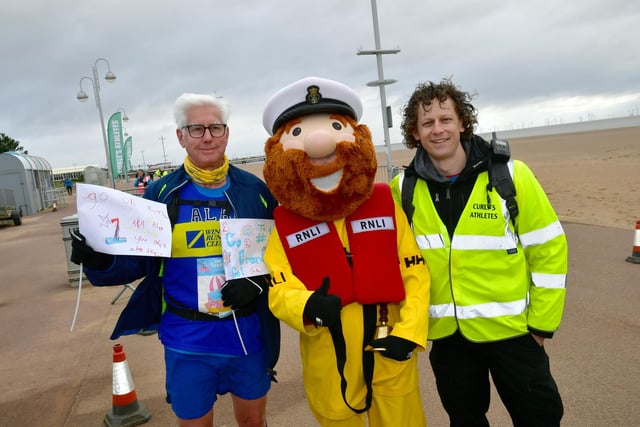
(243,244)
(119,223)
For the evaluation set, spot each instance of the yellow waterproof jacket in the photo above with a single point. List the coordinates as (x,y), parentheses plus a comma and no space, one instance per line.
(490,281)
(409,319)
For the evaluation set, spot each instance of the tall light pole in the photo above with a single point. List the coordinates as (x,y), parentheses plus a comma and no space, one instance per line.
(82,97)
(144,162)
(381,83)
(164,154)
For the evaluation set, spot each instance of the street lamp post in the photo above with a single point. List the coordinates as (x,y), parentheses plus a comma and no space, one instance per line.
(82,97)
(381,83)
(125,118)
(144,162)
(164,154)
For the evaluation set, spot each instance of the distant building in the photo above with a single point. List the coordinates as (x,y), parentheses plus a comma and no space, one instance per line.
(165,166)
(31,180)
(76,173)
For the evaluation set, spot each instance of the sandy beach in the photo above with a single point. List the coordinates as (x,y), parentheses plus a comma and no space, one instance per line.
(591,177)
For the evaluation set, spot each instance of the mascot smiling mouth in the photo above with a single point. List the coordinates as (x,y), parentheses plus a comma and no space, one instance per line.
(329,182)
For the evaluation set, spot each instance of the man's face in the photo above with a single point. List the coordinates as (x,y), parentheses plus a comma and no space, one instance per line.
(321,166)
(438,129)
(206,152)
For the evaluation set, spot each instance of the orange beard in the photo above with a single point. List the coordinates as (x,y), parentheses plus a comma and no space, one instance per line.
(288,174)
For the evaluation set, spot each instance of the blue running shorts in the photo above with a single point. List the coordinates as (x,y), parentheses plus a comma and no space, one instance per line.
(193,381)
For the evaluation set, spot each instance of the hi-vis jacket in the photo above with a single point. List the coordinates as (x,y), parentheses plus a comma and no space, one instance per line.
(492,280)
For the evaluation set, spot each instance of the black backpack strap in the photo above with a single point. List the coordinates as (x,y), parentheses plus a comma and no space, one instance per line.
(501,180)
(499,176)
(172,210)
(408,184)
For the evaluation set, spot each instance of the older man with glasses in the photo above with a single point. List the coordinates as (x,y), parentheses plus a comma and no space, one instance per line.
(219,335)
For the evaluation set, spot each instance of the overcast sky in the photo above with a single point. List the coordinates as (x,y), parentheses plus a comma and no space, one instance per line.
(530,63)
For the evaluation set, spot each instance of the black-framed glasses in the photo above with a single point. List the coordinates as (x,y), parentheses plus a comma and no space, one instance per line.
(197,130)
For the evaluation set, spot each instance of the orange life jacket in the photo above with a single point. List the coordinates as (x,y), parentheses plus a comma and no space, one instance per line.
(370,274)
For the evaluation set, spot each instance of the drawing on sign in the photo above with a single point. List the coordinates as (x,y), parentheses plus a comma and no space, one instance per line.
(116,235)
(214,296)
(118,223)
(243,244)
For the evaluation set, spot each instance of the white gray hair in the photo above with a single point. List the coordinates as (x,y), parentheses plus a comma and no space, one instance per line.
(188,100)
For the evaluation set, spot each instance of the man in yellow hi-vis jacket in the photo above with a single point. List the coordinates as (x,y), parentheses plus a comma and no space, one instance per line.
(343,260)
(499,276)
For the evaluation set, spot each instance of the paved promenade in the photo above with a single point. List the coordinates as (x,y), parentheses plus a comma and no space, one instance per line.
(52,376)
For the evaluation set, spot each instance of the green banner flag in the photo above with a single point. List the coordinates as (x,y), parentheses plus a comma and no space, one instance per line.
(114,132)
(126,154)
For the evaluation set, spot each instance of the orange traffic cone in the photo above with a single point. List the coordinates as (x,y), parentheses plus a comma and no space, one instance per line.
(635,254)
(126,410)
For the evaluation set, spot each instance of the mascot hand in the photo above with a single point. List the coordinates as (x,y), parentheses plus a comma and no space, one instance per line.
(321,308)
(396,348)
(81,253)
(237,293)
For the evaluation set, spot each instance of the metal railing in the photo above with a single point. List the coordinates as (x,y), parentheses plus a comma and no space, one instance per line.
(382,174)
(55,195)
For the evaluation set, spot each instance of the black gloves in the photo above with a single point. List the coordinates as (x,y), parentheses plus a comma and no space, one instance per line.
(240,292)
(81,253)
(321,308)
(396,348)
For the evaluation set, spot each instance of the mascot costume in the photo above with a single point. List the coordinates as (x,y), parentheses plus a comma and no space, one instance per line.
(346,270)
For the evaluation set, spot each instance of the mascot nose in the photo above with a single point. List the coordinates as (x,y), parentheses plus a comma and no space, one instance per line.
(319,144)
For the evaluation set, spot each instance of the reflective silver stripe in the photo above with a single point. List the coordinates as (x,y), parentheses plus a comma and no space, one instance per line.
(550,281)
(122,381)
(475,242)
(441,310)
(488,310)
(430,241)
(542,235)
